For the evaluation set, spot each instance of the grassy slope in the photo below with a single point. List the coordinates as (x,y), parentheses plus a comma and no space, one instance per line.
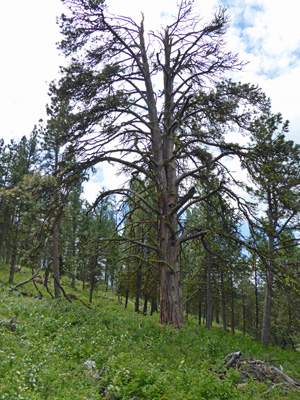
(136,358)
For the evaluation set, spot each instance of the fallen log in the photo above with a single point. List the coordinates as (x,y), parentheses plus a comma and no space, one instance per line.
(260,371)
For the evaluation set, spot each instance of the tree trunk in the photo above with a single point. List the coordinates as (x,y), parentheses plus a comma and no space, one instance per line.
(209,314)
(217,312)
(14,255)
(92,279)
(232,308)
(106,276)
(223,302)
(7,255)
(92,283)
(145,305)
(268,296)
(47,270)
(137,303)
(200,312)
(3,226)
(45,267)
(267,309)
(153,306)
(170,290)
(83,275)
(56,262)
(74,269)
(138,286)
(170,296)
(244,315)
(126,298)
(256,302)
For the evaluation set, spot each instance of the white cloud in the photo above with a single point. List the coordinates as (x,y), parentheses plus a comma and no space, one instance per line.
(157,13)
(29,58)
(107,177)
(264,32)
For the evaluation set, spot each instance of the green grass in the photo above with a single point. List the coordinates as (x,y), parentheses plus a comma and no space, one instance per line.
(138,359)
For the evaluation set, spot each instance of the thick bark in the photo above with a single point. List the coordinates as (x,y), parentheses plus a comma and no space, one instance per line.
(170,296)
(170,291)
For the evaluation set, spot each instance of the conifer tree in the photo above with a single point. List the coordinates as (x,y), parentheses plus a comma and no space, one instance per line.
(156,104)
(273,166)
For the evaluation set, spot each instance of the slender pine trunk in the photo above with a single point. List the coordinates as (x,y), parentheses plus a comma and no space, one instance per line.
(256,302)
(209,315)
(56,262)
(14,255)
(266,325)
(232,308)
(223,302)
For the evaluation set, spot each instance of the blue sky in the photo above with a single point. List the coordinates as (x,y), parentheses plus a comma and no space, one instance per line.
(265,33)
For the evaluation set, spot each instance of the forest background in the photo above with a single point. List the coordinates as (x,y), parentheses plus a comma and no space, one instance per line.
(225,274)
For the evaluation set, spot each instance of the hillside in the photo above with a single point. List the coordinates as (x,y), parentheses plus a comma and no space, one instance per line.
(67,351)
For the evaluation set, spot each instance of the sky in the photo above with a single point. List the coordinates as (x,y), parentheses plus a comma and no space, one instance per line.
(265,33)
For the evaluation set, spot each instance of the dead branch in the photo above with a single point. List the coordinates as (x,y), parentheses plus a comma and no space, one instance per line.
(46,286)
(40,293)
(90,308)
(233,358)
(62,289)
(27,281)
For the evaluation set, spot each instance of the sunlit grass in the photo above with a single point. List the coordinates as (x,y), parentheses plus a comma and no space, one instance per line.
(135,358)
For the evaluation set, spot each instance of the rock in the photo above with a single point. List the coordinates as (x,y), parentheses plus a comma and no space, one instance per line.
(10,324)
(19,269)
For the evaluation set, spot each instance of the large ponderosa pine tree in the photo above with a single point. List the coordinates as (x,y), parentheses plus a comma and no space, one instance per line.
(157,105)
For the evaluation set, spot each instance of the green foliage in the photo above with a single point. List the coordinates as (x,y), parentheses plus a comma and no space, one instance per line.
(135,357)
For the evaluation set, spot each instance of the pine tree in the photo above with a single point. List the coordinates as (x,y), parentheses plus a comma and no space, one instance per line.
(157,108)
(273,166)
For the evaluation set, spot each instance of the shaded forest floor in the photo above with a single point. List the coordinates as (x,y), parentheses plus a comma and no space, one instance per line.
(62,350)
